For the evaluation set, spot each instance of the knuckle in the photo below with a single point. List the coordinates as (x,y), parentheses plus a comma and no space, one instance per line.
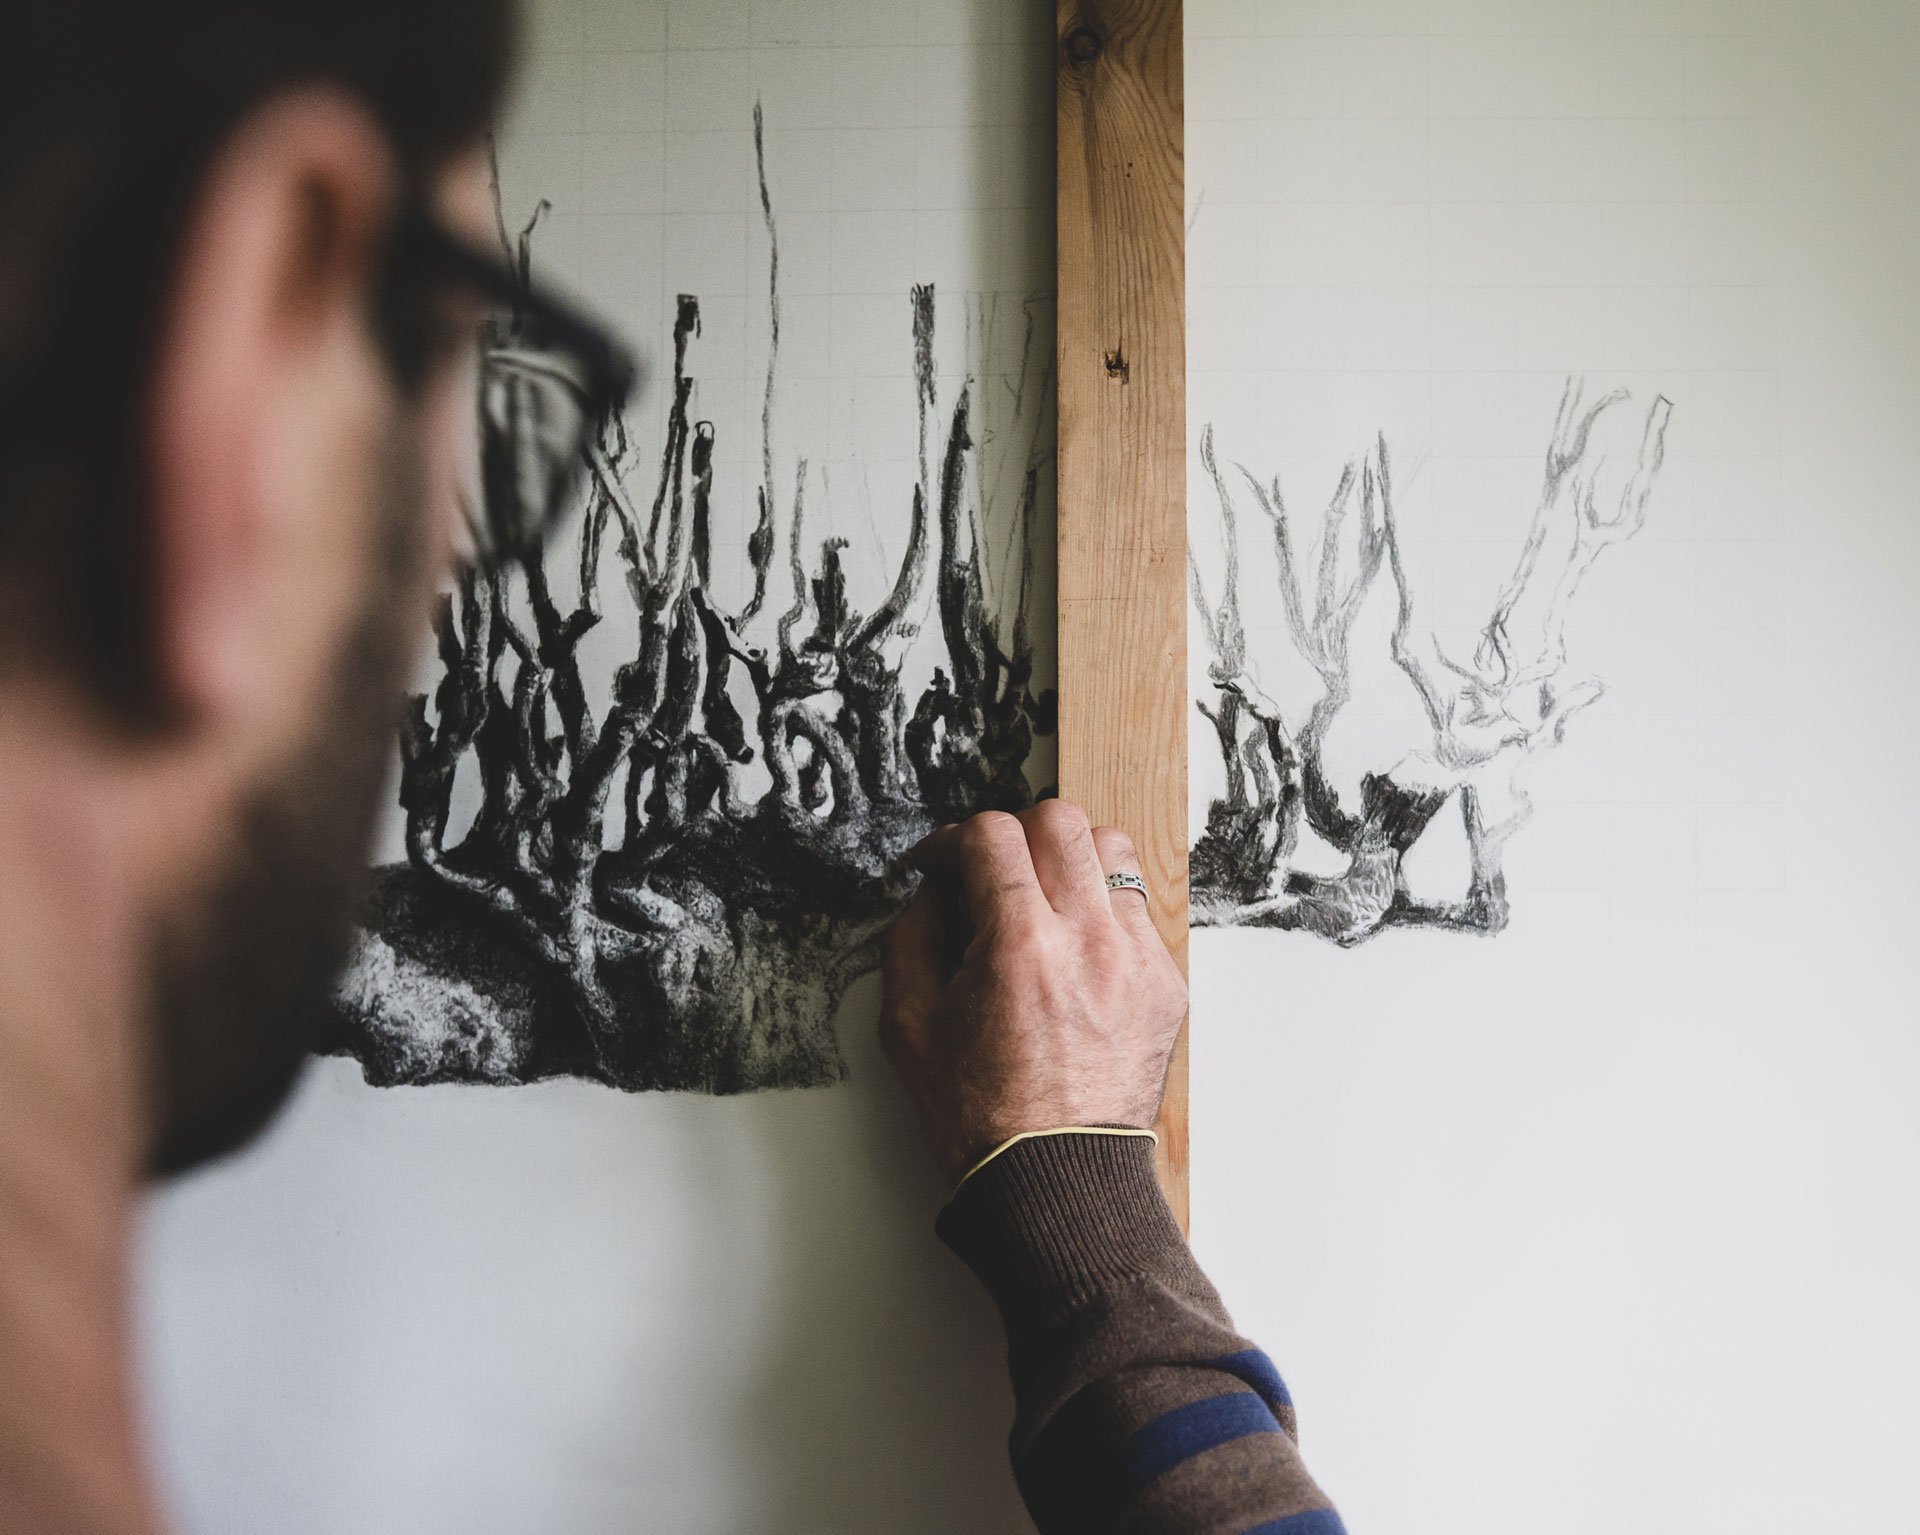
(1113,956)
(1027,941)
(1108,943)
(1058,815)
(987,832)
(1113,842)
(1016,953)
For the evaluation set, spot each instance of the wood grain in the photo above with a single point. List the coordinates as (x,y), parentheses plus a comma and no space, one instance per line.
(1122,463)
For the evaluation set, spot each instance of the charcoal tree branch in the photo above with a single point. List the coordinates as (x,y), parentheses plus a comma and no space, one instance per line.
(760,544)
(890,615)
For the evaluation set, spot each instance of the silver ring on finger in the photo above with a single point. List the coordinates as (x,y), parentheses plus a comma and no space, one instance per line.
(1120,879)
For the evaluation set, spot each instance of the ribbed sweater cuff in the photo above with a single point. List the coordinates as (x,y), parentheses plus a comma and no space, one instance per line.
(1055,1222)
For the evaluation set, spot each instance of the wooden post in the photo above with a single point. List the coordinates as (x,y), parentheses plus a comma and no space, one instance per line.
(1123,455)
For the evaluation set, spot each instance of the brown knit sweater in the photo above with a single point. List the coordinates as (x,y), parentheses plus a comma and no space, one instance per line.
(1139,1409)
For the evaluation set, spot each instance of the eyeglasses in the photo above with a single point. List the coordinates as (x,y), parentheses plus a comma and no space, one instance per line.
(550,379)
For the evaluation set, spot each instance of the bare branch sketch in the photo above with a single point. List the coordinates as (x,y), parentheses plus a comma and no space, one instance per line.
(1488,719)
(674,890)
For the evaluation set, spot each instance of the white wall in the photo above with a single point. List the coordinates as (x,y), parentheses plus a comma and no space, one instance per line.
(1607,1222)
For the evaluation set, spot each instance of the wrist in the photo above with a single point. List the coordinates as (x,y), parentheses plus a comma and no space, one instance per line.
(1055,1222)
(1115,1131)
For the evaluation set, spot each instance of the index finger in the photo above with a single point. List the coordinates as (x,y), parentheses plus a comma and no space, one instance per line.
(990,857)
(915,969)
(913,953)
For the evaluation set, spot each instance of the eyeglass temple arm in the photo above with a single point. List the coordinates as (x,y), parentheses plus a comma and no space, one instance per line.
(610,367)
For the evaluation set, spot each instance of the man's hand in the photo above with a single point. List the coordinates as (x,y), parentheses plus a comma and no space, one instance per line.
(1022,994)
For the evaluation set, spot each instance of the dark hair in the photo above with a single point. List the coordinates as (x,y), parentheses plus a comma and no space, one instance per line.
(111,116)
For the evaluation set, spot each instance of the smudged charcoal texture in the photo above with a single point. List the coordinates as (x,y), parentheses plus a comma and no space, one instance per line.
(677,892)
(1489,720)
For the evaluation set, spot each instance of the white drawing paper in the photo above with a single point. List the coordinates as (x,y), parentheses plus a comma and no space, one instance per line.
(1552,379)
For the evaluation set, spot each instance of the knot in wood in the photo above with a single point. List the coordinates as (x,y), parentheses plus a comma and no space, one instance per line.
(1084,45)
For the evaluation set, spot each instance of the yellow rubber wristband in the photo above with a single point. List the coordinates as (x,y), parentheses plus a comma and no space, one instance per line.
(1034,1135)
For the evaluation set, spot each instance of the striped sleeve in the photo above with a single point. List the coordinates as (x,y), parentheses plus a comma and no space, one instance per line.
(1139,1409)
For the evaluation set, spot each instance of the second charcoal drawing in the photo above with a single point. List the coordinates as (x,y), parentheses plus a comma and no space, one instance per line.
(668,881)
(1289,844)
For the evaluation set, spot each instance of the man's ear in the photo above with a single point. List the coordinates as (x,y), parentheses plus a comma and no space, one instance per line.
(279,255)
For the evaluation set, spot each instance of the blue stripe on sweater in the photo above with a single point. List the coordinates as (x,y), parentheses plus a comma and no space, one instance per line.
(1316,1521)
(1256,1370)
(1157,1447)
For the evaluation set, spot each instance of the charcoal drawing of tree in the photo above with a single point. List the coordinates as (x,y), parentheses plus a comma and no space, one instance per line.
(1487,719)
(673,890)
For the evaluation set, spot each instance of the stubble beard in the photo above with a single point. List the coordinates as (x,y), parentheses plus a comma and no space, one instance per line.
(242,975)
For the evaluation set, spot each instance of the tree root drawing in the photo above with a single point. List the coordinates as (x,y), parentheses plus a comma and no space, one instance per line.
(1490,719)
(673,890)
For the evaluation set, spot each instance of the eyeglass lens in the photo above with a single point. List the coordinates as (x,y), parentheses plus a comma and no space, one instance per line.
(537,418)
